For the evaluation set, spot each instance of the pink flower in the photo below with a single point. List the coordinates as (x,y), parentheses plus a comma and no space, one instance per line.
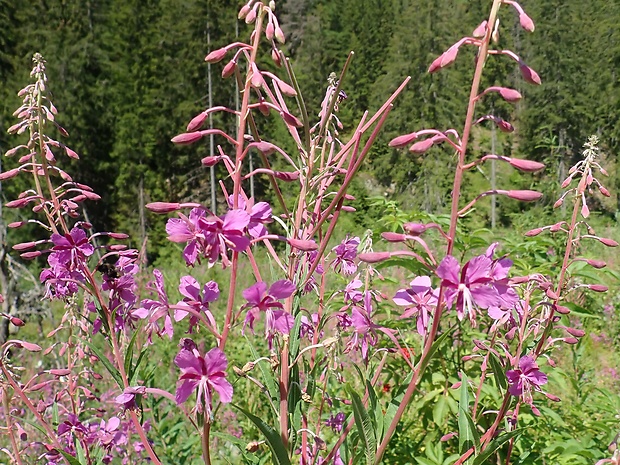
(190,289)
(262,300)
(471,288)
(154,310)
(527,378)
(420,300)
(346,252)
(207,374)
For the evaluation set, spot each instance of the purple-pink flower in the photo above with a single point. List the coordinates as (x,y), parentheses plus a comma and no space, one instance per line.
(204,374)
(526,379)
(420,300)
(346,252)
(260,299)
(154,310)
(190,289)
(471,287)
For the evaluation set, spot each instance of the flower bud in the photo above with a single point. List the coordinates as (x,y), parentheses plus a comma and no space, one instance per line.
(286,176)
(163,207)
(71,154)
(575,332)
(30,255)
(528,166)
(250,17)
(374,257)
(604,191)
(597,288)
(275,56)
(526,22)
(393,237)
(524,195)
(269,30)
(216,55)
(598,264)
(280,35)
(529,74)
(118,236)
(422,146)
(571,340)
(266,148)
(285,88)
(210,161)
(415,229)
(481,30)
(9,174)
(556,227)
(229,69)
(197,121)
(59,371)
(404,140)
(243,12)
(608,242)
(445,59)
(510,95)
(186,138)
(534,232)
(558,203)
(252,446)
(24,246)
(303,245)
(17,321)
(291,120)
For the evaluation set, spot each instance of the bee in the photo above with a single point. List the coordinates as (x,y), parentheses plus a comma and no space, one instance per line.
(109,270)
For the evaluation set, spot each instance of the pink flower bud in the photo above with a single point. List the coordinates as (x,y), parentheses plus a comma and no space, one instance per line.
(250,17)
(285,88)
(197,121)
(422,146)
(116,247)
(243,12)
(26,345)
(529,74)
(446,58)
(526,22)
(269,30)
(551,294)
(533,232)
(524,195)
(415,229)
(291,120)
(18,203)
(393,237)
(24,246)
(303,245)
(229,69)
(17,321)
(187,138)
(266,148)
(163,207)
(585,211)
(598,264)
(9,174)
(571,340)
(597,288)
(503,125)
(286,175)
(374,257)
(552,397)
(216,55)
(481,30)
(210,161)
(608,242)
(257,77)
(280,35)
(404,140)
(556,227)
(576,332)
(348,208)
(16,224)
(528,166)
(604,191)
(118,236)
(60,371)
(275,56)
(510,95)
(561,309)
(558,203)
(71,154)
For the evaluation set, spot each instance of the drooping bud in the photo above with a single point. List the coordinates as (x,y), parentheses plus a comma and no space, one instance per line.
(216,55)
(374,257)
(291,120)
(597,288)
(24,246)
(585,211)
(59,371)
(524,195)
(481,30)
(446,58)
(280,35)
(422,146)
(243,12)
(229,69)
(608,242)
(210,161)
(604,191)
(404,140)
(71,154)
(534,232)
(269,30)
(266,148)
(529,74)
(575,332)
(17,321)
(197,121)
(275,56)
(163,207)
(415,229)
(286,176)
(187,138)
(303,245)
(285,88)
(526,22)
(558,203)
(16,224)
(528,166)
(561,309)
(9,174)
(394,237)
(598,264)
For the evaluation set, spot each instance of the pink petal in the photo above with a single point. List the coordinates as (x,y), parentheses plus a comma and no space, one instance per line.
(403,298)
(254,294)
(177,230)
(282,321)
(189,288)
(223,388)
(282,289)
(449,269)
(236,220)
(185,390)
(215,361)
(188,362)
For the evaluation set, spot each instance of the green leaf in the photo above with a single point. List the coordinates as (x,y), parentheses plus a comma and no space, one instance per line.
(278,451)
(498,371)
(468,436)
(408,263)
(70,458)
(267,375)
(495,444)
(106,363)
(364,427)
(440,410)
(129,354)
(134,371)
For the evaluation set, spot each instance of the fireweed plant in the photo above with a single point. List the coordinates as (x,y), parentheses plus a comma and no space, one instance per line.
(317,312)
